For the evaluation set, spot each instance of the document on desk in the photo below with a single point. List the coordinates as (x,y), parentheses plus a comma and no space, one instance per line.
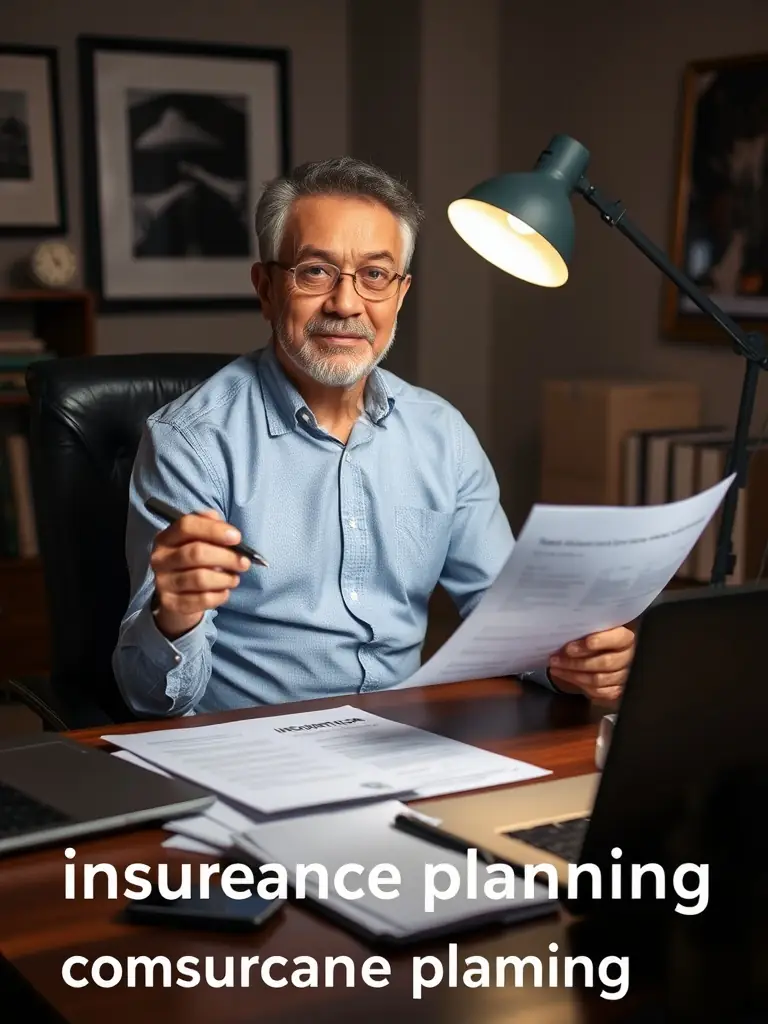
(323,758)
(268,764)
(574,570)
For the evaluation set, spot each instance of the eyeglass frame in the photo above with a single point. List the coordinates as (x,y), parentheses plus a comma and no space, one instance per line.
(342,273)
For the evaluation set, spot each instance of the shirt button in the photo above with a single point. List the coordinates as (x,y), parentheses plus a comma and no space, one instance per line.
(177,658)
(354,595)
(353,523)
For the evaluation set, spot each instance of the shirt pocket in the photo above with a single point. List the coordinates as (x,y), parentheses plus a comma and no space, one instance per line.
(422,540)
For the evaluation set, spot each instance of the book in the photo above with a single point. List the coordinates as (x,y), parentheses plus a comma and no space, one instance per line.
(647,458)
(17,451)
(8,534)
(750,527)
(12,342)
(17,360)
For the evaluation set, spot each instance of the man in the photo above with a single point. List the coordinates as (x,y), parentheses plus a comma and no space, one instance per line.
(361,491)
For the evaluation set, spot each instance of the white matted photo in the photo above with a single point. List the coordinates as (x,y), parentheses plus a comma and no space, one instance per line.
(31,174)
(179,141)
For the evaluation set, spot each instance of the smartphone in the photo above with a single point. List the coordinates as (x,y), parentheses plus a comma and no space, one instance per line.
(219,911)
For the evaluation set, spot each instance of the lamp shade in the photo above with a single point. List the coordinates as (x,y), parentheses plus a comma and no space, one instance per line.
(523,223)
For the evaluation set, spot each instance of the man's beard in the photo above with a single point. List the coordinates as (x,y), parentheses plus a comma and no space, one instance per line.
(335,366)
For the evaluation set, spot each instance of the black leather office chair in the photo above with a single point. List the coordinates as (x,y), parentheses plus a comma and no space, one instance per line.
(86,419)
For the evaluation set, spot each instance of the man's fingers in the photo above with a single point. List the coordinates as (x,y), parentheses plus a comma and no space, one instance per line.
(591,682)
(618,639)
(203,526)
(607,693)
(616,661)
(191,604)
(597,664)
(199,581)
(197,555)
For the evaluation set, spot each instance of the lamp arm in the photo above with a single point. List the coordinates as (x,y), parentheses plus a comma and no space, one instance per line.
(613,213)
(751,345)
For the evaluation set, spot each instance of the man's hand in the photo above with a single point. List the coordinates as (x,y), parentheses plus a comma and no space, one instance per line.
(195,569)
(597,665)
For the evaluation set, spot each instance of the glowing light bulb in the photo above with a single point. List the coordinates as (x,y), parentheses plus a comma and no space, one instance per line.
(519,226)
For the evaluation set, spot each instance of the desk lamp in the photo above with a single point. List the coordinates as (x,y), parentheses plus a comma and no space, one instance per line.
(523,223)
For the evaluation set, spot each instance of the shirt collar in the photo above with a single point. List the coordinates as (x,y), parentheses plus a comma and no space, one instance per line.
(286,408)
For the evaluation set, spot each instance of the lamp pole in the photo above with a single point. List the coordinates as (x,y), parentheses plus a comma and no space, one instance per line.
(750,345)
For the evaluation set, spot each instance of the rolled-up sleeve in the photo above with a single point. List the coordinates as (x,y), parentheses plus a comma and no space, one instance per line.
(156,676)
(481,537)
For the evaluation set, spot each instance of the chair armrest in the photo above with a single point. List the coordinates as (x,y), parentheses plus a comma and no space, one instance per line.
(58,709)
(36,693)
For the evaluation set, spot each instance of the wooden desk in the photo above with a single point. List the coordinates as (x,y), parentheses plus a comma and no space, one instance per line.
(39,929)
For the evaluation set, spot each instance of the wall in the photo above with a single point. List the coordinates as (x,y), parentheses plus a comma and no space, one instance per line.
(612,81)
(424,99)
(316,35)
(458,147)
(423,103)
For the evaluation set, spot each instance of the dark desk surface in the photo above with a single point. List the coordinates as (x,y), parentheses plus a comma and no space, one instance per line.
(39,929)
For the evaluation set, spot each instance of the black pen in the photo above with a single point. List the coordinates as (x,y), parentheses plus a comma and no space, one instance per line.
(171,514)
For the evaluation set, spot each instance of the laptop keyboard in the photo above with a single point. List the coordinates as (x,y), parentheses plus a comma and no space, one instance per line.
(561,838)
(21,814)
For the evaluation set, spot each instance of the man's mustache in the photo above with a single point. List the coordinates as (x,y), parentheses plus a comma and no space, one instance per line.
(341,329)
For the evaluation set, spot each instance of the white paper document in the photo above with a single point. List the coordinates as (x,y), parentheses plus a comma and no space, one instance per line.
(187,845)
(573,570)
(319,759)
(202,829)
(215,826)
(418,762)
(261,762)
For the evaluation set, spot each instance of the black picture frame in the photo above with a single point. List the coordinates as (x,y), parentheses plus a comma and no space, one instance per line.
(718,230)
(33,198)
(171,180)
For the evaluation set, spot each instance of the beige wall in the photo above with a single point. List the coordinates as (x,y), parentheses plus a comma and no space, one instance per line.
(610,79)
(316,34)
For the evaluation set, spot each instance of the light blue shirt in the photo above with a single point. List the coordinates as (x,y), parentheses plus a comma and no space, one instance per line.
(357,536)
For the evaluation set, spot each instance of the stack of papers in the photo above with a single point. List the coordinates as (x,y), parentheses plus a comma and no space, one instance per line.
(294,767)
(289,763)
(366,837)
(359,835)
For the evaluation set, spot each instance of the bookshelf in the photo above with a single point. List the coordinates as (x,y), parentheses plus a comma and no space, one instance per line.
(64,321)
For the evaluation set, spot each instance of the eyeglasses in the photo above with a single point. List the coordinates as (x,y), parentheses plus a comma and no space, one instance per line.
(372,283)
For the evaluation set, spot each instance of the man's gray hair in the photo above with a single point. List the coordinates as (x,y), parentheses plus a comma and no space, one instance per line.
(341,176)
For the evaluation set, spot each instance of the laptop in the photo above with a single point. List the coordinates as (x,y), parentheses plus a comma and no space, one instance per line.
(686,773)
(53,789)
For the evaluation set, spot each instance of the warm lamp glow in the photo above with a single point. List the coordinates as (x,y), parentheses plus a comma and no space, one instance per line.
(508,243)
(519,225)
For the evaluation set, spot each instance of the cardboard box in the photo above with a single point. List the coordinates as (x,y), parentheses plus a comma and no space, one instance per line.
(584,423)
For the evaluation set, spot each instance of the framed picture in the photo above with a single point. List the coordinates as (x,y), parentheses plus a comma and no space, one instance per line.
(32,198)
(720,223)
(178,142)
